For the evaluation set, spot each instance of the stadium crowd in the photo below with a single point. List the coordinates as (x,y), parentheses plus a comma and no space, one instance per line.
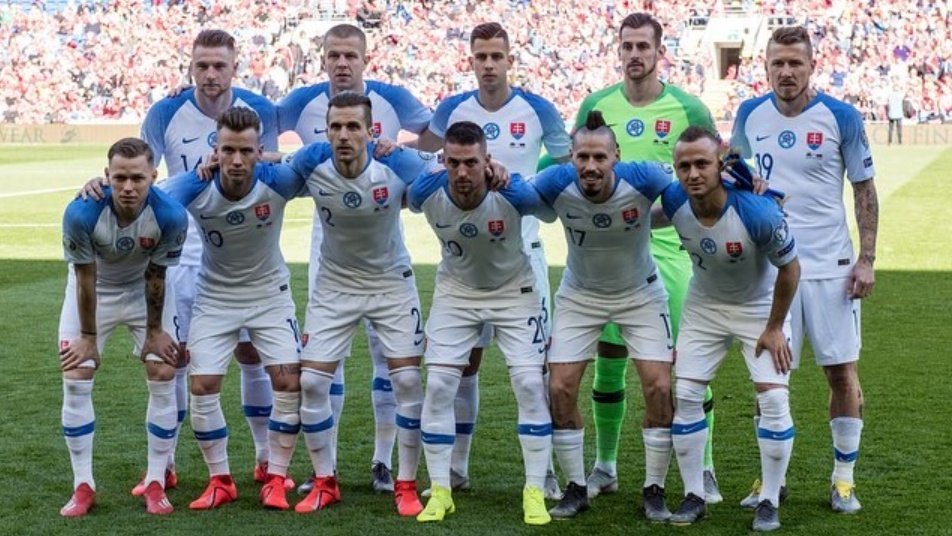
(81,62)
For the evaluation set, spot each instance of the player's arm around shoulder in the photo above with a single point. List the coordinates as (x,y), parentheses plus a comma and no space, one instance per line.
(424,187)
(173,222)
(522,196)
(549,184)
(185,187)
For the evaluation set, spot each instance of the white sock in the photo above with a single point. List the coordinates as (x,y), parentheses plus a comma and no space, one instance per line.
(79,425)
(384,403)
(337,407)
(408,390)
(317,419)
(256,402)
(535,423)
(208,424)
(283,428)
(181,406)
(775,438)
(689,435)
(161,428)
(846,435)
(466,407)
(438,423)
(568,446)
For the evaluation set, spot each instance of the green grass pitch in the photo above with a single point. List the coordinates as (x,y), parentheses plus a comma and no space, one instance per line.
(904,472)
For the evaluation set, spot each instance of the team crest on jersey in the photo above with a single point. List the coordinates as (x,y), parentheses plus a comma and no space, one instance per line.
(235,217)
(497,227)
(708,246)
(212,139)
(814,140)
(468,230)
(518,130)
(662,127)
(146,242)
(125,243)
(735,249)
(262,212)
(781,232)
(787,139)
(601,220)
(635,128)
(352,200)
(491,130)
(630,215)
(381,195)
(377,129)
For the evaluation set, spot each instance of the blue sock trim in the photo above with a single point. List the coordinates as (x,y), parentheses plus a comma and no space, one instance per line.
(337,389)
(181,416)
(845,456)
(776,435)
(283,427)
(407,423)
(326,424)
(381,384)
(76,431)
(257,411)
(211,435)
(537,430)
(691,428)
(437,439)
(159,432)
(465,428)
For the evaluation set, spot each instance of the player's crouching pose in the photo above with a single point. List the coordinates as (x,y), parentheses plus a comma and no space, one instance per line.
(735,238)
(610,276)
(485,277)
(243,283)
(133,230)
(364,273)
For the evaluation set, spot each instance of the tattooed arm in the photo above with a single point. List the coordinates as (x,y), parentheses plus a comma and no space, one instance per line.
(866,205)
(157,341)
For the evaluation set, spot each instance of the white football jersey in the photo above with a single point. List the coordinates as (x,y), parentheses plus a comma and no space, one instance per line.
(733,260)
(483,258)
(241,260)
(806,157)
(91,234)
(363,250)
(179,133)
(514,133)
(608,251)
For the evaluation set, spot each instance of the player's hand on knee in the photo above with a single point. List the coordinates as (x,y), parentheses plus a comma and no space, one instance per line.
(774,341)
(93,189)
(497,176)
(210,164)
(80,350)
(862,280)
(160,344)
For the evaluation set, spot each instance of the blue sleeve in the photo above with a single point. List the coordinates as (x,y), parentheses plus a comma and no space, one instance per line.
(673,198)
(556,140)
(173,221)
(739,140)
(854,145)
(282,178)
(184,187)
(441,117)
(522,196)
(408,164)
(764,221)
(425,186)
(153,128)
(79,221)
(649,178)
(290,108)
(268,113)
(413,115)
(304,160)
(552,181)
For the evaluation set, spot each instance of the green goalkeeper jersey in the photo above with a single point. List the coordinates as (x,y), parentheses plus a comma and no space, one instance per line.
(649,133)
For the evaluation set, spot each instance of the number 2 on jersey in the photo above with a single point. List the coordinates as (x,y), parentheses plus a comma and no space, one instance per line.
(539,336)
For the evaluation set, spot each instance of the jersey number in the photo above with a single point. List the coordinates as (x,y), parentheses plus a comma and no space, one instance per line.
(764,165)
(452,247)
(418,328)
(327,216)
(214,238)
(577,236)
(185,163)
(539,336)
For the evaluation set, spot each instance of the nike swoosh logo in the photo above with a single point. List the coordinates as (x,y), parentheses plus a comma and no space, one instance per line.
(189,140)
(572,216)
(762,138)
(320,131)
(323,193)
(536,430)
(442,226)
(204,217)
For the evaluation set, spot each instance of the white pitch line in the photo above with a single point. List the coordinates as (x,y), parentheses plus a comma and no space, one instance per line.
(38,192)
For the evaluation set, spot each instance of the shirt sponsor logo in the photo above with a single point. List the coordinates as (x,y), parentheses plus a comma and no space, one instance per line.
(635,128)
(468,230)
(235,217)
(518,130)
(601,220)
(146,242)
(814,140)
(662,127)
(262,212)
(734,249)
(497,227)
(491,130)
(125,243)
(708,246)
(381,195)
(352,200)
(787,139)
